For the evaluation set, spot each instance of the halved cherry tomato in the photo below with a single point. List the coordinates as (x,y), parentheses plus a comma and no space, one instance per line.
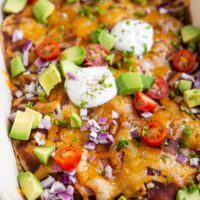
(31,1)
(184,60)
(143,103)
(68,158)
(96,55)
(154,133)
(48,50)
(159,89)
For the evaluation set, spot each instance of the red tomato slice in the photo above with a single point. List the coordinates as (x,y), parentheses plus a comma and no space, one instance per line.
(48,50)
(68,158)
(184,60)
(96,55)
(159,89)
(143,103)
(154,134)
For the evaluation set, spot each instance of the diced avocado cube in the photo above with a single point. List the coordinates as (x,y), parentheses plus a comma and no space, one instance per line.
(30,185)
(94,36)
(192,97)
(71,1)
(129,83)
(184,85)
(147,81)
(184,194)
(75,54)
(75,120)
(49,78)
(16,66)
(67,66)
(14,6)
(21,127)
(43,153)
(107,40)
(122,198)
(42,9)
(190,33)
(36,117)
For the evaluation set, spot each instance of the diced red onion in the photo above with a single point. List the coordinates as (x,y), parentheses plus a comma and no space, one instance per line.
(83,128)
(146,114)
(18,94)
(197,82)
(163,11)
(56,168)
(103,135)
(83,112)
(57,187)
(115,115)
(111,138)
(93,134)
(162,5)
(46,123)
(90,145)
(65,196)
(12,116)
(187,77)
(29,95)
(47,195)
(73,179)
(108,172)
(27,45)
(194,162)
(70,190)
(103,141)
(70,173)
(40,63)
(114,122)
(194,110)
(198,178)
(182,159)
(48,182)
(91,158)
(95,140)
(17,35)
(102,120)
(153,172)
(71,76)
(66,179)
(25,58)
(93,124)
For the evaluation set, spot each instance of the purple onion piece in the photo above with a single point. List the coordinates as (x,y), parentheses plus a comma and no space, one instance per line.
(28,44)
(25,58)
(103,135)
(48,182)
(17,35)
(70,190)
(65,179)
(162,5)
(40,63)
(172,147)
(71,76)
(153,172)
(181,159)
(102,120)
(46,123)
(108,172)
(57,187)
(90,145)
(83,128)
(103,141)
(197,82)
(65,196)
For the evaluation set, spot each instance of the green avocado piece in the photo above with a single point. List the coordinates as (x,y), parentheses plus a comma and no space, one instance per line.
(21,127)
(67,66)
(147,81)
(16,66)
(71,1)
(14,6)
(94,36)
(184,85)
(42,9)
(129,83)
(36,117)
(43,153)
(49,78)
(184,194)
(30,185)
(107,40)
(190,33)
(75,120)
(75,54)
(192,97)
(122,198)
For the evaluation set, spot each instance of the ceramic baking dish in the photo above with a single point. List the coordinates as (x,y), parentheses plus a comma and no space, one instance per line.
(8,168)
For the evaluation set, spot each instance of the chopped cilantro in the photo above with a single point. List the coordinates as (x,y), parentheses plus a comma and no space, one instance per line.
(30,104)
(110,58)
(164,157)
(123,143)
(122,198)
(111,69)
(74,140)
(172,94)
(187,131)
(83,103)
(175,44)
(41,97)
(145,49)
(99,10)
(62,27)
(61,123)
(145,130)
(86,11)
(140,14)
(71,1)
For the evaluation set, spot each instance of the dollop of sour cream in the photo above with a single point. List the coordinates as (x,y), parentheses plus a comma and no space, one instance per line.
(133,35)
(91,87)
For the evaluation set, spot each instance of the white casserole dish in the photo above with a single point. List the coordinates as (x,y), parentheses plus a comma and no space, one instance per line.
(8,169)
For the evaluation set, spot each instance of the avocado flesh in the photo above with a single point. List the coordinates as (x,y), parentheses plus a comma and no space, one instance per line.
(21,127)
(16,66)
(36,117)
(75,120)
(129,83)
(43,153)
(192,97)
(106,40)
(190,33)
(30,185)
(184,85)
(67,66)
(147,81)
(185,195)
(14,6)
(49,78)
(75,54)
(42,9)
